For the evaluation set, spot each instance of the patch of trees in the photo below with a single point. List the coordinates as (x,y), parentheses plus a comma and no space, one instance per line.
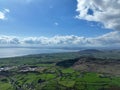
(86,59)
(67,63)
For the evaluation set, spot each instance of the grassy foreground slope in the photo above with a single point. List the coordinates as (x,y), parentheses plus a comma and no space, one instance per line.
(61,79)
(84,70)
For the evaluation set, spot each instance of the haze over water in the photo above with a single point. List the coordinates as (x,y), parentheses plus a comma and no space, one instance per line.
(12,52)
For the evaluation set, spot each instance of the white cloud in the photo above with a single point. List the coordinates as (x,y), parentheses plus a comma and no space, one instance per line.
(8,40)
(56,23)
(106,12)
(112,38)
(3,14)
(7,10)
(109,39)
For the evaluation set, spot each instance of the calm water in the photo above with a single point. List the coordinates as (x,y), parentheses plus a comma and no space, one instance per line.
(12,52)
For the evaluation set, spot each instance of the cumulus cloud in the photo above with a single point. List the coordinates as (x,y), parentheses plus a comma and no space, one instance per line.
(109,39)
(3,14)
(55,41)
(106,12)
(8,40)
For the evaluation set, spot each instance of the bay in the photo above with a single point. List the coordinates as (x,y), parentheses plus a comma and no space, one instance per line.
(13,52)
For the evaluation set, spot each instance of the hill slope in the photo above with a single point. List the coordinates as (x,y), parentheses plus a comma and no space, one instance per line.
(91,64)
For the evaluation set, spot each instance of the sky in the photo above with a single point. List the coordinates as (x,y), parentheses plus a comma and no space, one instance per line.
(75,23)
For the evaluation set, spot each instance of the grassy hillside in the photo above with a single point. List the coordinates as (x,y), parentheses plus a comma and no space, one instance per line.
(96,70)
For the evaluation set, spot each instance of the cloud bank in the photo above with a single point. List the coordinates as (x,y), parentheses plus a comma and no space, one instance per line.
(106,12)
(109,39)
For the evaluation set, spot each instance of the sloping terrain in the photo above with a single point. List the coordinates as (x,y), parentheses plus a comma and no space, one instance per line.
(98,65)
(91,64)
(62,71)
(90,51)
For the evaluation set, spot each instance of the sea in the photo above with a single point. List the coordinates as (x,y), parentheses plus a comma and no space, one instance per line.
(14,52)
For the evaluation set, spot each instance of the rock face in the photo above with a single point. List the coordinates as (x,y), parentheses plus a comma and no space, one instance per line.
(98,65)
(91,64)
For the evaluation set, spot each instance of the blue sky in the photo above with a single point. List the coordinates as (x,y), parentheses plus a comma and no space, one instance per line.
(50,18)
(39,17)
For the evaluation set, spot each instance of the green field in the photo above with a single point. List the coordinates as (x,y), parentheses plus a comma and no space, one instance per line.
(62,78)
(40,72)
